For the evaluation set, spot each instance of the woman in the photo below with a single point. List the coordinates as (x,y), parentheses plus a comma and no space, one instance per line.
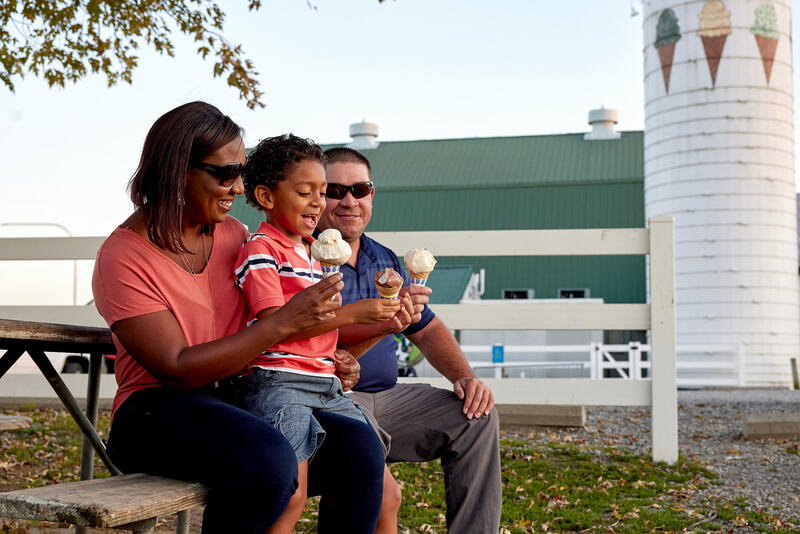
(163,282)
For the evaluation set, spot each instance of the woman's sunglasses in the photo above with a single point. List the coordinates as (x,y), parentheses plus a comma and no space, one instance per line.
(226,175)
(338,191)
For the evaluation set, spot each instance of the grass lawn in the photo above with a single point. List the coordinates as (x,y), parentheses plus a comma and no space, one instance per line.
(552,487)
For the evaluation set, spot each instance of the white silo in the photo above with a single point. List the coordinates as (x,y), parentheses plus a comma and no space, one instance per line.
(719,156)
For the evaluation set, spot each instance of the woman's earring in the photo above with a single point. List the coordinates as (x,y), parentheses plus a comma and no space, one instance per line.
(181,200)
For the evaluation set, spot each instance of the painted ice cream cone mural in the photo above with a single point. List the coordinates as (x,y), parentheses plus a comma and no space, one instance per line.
(667,34)
(765,29)
(715,27)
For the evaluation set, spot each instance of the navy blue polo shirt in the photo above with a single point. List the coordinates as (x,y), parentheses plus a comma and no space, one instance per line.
(378,364)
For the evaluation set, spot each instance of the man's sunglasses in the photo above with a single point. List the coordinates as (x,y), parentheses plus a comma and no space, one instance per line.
(338,191)
(226,175)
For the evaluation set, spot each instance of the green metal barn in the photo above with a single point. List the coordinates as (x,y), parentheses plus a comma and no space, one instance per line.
(525,182)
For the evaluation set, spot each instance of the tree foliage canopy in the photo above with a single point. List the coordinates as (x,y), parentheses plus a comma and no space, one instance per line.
(64,40)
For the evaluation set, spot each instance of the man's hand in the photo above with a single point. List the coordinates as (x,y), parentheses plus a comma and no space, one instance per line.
(478,398)
(347,368)
(419,298)
(403,318)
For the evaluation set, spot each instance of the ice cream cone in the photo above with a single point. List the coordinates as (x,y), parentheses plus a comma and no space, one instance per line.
(388,282)
(714,29)
(713,47)
(420,263)
(665,55)
(419,279)
(767,46)
(328,269)
(389,292)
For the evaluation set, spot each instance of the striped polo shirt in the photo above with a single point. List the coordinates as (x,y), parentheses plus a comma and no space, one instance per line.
(270,270)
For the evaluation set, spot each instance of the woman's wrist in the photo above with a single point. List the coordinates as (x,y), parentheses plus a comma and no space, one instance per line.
(277,327)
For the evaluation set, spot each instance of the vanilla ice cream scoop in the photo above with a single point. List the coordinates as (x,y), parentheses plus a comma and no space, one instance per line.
(715,20)
(330,248)
(331,251)
(420,263)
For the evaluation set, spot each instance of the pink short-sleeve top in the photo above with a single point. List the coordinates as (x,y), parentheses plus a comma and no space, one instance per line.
(132,278)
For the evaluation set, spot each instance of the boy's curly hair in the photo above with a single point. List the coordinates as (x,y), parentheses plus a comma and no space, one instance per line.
(273,159)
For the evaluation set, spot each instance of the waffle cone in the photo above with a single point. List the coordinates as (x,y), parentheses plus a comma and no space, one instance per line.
(421,276)
(328,269)
(713,48)
(665,55)
(389,292)
(767,46)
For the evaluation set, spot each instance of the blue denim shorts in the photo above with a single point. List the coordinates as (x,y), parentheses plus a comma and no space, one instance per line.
(288,401)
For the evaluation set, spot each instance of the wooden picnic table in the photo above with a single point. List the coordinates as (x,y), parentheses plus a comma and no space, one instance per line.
(128,502)
(19,337)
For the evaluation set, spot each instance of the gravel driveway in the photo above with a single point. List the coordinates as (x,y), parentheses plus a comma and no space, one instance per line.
(766,472)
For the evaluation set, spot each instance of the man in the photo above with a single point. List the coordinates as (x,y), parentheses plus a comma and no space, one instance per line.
(424,423)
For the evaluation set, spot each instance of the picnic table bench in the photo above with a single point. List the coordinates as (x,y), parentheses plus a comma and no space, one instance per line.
(14,422)
(127,502)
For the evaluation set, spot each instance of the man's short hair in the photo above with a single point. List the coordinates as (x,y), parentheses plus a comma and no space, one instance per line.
(341,154)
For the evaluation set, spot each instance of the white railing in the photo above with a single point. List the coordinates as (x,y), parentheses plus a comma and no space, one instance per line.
(658,316)
(600,357)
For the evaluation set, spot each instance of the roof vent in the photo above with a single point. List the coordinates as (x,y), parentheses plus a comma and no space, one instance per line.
(602,122)
(364,135)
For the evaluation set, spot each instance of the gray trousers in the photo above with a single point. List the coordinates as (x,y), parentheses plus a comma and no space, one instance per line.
(425,423)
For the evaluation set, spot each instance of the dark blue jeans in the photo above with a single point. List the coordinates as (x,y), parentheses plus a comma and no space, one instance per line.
(248,466)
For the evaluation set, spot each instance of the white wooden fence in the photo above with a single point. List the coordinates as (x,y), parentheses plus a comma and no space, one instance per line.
(723,363)
(658,316)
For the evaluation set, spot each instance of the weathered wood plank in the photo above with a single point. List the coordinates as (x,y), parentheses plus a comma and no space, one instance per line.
(105,502)
(55,337)
(14,422)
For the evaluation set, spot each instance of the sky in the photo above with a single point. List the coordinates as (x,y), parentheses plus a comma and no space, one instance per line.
(418,68)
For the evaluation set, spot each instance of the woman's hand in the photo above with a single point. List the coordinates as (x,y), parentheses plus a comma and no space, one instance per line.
(347,368)
(313,305)
(374,311)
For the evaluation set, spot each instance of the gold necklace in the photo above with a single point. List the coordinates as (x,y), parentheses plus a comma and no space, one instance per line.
(194,256)
(210,285)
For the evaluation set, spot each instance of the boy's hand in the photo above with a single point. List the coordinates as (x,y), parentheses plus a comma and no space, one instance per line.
(347,368)
(313,305)
(375,311)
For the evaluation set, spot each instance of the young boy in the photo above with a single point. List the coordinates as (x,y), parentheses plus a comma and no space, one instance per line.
(286,384)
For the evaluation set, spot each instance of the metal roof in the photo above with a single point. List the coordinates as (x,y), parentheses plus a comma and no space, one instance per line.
(506,161)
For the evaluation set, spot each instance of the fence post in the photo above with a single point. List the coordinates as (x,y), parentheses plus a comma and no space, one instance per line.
(662,329)
(635,357)
(594,361)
